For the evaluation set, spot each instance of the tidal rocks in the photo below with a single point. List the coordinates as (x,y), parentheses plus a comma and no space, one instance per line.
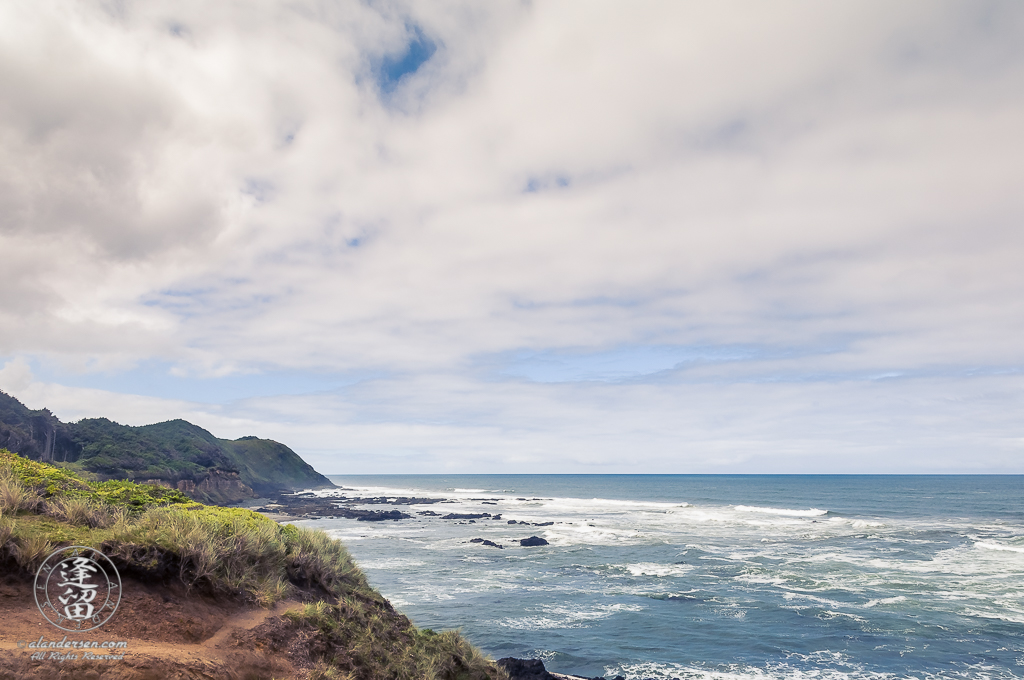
(524,669)
(370,515)
(483,541)
(533,669)
(532,541)
(467,515)
(397,500)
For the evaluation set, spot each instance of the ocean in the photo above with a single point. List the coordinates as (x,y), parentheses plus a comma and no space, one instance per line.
(711,577)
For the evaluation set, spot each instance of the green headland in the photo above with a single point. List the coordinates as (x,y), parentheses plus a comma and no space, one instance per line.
(175,454)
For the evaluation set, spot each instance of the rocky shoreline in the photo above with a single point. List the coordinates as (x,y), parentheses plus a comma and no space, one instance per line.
(308,505)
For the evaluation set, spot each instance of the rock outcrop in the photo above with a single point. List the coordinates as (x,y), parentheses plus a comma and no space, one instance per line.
(532,541)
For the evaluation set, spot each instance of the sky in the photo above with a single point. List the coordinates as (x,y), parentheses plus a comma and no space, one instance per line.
(524,237)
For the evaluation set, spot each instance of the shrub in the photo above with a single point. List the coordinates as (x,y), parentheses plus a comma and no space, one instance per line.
(137,497)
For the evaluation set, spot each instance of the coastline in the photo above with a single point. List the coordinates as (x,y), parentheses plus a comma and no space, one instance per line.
(673,576)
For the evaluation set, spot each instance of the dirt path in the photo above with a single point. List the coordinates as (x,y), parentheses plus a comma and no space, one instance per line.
(169,634)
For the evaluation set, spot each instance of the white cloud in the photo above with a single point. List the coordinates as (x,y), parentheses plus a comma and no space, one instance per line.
(832,186)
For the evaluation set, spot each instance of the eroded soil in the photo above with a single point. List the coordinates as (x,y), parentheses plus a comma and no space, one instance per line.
(170,633)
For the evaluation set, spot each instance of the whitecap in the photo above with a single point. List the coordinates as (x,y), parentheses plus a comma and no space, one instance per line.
(813,512)
(1002,615)
(790,595)
(830,614)
(861,524)
(885,600)
(653,569)
(391,563)
(562,616)
(985,545)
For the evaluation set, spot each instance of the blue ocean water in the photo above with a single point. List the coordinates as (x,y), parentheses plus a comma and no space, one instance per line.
(716,577)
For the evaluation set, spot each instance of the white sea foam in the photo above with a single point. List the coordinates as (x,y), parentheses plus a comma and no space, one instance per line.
(1001,615)
(885,600)
(652,569)
(986,545)
(813,512)
(790,595)
(830,614)
(664,671)
(562,616)
(392,563)
(861,523)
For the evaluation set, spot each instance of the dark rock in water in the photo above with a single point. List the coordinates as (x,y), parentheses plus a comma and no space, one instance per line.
(533,669)
(532,541)
(467,515)
(512,521)
(429,513)
(482,541)
(524,669)
(542,524)
(371,515)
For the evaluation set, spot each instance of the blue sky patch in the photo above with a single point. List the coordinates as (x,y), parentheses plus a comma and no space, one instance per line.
(622,363)
(154,379)
(397,66)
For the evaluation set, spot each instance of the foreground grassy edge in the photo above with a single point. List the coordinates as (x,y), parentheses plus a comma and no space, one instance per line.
(349,629)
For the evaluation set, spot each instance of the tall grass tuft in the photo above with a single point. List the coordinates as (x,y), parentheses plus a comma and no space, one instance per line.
(363,641)
(6,531)
(316,559)
(14,495)
(30,551)
(80,511)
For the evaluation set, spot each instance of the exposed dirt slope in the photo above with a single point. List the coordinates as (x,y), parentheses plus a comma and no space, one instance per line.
(170,634)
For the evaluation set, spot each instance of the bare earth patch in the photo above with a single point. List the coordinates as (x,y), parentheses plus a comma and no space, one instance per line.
(170,634)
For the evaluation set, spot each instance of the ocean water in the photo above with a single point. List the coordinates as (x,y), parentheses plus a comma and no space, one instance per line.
(713,577)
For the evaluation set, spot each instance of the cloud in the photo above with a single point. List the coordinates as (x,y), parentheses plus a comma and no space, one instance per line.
(420,196)
(15,376)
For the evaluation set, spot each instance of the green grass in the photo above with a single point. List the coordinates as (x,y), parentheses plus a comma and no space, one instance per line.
(360,639)
(50,481)
(351,630)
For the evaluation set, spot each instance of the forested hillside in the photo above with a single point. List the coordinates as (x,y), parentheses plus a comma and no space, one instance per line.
(175,453)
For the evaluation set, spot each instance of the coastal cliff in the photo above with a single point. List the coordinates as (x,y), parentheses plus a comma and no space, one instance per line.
(205,592)
(176,454)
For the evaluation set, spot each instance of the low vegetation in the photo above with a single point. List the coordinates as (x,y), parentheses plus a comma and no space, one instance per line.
(351,630)
(368,642)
